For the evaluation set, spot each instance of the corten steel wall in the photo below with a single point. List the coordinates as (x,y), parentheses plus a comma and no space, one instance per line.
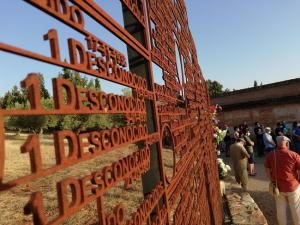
(191,195)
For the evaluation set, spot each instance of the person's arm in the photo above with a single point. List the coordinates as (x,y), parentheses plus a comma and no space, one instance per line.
(245,153)
(294,134)
(270,140)
(298,166)
(250,142)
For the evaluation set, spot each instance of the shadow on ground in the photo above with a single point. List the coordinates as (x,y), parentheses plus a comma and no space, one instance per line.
(266,204)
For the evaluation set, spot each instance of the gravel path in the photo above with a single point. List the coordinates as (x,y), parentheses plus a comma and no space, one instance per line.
(259,190)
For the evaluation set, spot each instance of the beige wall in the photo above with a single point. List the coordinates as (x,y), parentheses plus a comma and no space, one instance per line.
(267,115)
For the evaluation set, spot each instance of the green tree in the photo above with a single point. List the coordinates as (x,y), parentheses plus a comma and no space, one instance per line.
(255,84)
(7,100)
(74,77)
(66,73)
(81,123)
(1,102)
(127,92)
(20,95)
(44,92)
(51,120)
(13,97)
(91,84)
(226,90)
(80,81)
(26,123)
(214,88)
(17,98)
(97,85)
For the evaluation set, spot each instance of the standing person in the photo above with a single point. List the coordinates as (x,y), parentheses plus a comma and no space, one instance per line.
(285,129)
(292,135)
(259,139)
(227,141)
(236,134)
(283,168)
(268,140)
(296,135)
(249,147)
(241,128)
(244,128)
(279,129)
(239,156)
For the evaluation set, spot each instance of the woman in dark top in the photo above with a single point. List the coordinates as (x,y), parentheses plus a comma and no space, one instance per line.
(249,147)
(227,141)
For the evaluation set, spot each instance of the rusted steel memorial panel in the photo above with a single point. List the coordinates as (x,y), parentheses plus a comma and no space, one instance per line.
(154,165)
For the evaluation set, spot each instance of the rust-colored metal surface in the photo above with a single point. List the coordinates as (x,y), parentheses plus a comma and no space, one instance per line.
(166,126)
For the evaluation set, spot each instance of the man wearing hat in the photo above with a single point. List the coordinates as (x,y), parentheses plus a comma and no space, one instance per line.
(268,140)
(283,169)
(239,157)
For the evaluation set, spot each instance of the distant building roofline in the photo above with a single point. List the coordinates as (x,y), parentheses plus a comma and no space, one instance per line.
(265,86)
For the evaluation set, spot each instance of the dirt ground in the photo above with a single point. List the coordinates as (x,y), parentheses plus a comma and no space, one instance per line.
(17,165)
(259,190)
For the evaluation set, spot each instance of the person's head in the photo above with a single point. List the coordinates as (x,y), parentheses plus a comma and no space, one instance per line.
(236,129)
(282,142)
(278,124)
(256,124)
(294,124)
(248,132)
(268,130)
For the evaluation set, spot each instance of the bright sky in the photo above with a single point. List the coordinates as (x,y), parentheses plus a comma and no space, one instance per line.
(238,41)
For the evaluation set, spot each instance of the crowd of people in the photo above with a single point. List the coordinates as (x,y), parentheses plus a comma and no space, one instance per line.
(263,137)
(281,148)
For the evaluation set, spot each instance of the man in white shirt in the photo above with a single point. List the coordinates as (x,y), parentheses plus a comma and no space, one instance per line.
(268,141)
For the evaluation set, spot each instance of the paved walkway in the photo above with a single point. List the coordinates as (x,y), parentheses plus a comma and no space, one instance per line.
(259,191)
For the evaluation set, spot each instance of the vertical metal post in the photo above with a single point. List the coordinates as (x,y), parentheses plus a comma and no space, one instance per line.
(141,66)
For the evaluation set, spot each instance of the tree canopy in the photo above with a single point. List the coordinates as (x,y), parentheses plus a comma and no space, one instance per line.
(255,84)
(17,99)
(214,88)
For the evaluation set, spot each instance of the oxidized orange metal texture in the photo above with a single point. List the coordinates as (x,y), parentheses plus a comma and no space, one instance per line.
(181,107)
